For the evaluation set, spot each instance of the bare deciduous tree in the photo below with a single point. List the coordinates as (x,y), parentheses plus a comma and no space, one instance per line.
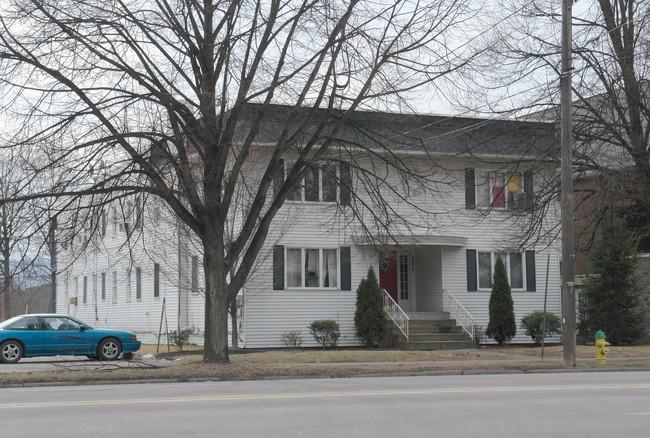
(22,243)
(125,81)
(611,108)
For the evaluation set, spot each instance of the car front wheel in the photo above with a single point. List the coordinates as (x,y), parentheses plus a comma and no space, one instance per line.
(11,351)
(109,349)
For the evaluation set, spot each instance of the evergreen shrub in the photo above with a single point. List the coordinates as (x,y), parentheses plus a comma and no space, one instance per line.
(502,326)
(369,318)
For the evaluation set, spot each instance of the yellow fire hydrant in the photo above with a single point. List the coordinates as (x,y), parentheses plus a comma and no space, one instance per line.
(601,347)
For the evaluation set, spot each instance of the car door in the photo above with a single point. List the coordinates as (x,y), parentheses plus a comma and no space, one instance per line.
(63,335)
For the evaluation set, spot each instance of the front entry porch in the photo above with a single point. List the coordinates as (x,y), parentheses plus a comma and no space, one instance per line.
(429,331)
(411,274)
(413,277)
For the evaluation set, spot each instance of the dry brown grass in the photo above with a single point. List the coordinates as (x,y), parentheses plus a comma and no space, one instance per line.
(351,362)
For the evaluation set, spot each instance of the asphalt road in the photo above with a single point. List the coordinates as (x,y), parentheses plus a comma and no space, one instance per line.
(614,404)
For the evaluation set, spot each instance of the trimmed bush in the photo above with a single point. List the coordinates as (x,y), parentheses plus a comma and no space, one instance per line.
(326,332)
(179,337)
(369,318)
(502,326)
(533,323)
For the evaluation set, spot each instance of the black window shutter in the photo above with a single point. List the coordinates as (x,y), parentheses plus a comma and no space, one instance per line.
(530,271)
(470,189)
(278,178)
(528,189)
(278,267)
(346,271)
(345,183)
(472,284)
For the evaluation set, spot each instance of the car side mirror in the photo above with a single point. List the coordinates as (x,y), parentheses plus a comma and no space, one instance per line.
(82,328)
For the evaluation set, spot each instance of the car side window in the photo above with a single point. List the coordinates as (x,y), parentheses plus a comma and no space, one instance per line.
(60,323)
(27,323)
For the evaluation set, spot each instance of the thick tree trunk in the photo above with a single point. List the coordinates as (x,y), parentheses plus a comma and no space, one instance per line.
(234,330)
(216,305)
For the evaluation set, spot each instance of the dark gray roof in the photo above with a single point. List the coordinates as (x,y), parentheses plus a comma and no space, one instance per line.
(408,132)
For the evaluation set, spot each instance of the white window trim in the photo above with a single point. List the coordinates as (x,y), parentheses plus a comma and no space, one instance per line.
(493,262)
(302,267)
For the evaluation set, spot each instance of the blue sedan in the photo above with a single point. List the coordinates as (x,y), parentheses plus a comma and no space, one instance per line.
(49,334)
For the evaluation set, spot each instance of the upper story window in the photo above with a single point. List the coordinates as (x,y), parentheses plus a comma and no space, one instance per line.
(320,184)
(501,190)
(330,182)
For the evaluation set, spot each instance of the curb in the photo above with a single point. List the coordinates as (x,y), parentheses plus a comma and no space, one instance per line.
(470,372)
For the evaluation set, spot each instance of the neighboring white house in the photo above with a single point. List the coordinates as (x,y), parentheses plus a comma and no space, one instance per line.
(480,185)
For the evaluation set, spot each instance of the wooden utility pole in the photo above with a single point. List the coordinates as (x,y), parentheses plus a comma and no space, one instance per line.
(568,245)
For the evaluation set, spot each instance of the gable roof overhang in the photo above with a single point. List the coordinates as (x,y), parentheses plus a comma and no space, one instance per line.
(410,133)
(420,240)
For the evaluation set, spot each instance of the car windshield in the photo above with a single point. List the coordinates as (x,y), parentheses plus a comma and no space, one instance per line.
(10,321)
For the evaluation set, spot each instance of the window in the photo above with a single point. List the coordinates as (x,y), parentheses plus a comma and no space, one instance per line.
(138,213)
(85,290)
(61,323)
(128,285)
(502,190)
(103,286)
(115,220)
(114,287)
(25,323)
(514,267)
(327,183)
(95,288)
(103,223)
(156,280)
(312,267)
(138,284)
(291,273)
(195,274)
(519,266)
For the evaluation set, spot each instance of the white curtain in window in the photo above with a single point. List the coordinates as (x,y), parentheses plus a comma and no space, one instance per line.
(516,271)
(483,198)
(312,268)
(331,265)
(294,268)
(484,270)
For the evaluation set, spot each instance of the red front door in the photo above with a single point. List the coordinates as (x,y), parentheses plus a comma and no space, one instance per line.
(388,274)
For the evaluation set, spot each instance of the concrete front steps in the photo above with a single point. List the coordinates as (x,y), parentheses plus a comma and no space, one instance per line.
(430,331)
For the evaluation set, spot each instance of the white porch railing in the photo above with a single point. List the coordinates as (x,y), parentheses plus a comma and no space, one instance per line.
(458,312)
(396,313)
